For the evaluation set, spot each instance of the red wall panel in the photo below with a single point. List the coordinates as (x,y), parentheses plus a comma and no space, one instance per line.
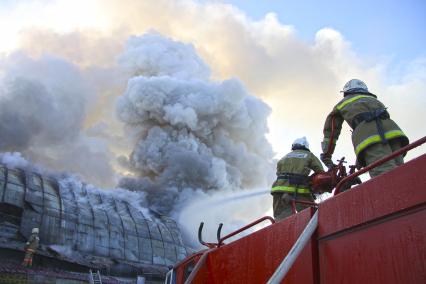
(390,252)
(254,258)
(391,192)
(376,232)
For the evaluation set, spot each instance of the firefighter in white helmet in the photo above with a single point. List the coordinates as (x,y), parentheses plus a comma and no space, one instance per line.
(293,178)
(31,248)
(375,135)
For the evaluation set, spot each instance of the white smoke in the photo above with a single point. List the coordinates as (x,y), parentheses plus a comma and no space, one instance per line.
(193,134)
(154,56)
(234,209)
(81,190)
(42,102)
(13,160)
(43,107)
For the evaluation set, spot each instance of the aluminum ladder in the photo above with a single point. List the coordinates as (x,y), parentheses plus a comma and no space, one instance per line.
(95,277)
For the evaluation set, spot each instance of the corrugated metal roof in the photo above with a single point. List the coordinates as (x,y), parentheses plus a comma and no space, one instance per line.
(81,224)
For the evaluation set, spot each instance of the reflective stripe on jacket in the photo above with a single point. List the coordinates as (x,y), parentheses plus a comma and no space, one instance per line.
(299,162)
(366,133)
(376,139)
(283,188)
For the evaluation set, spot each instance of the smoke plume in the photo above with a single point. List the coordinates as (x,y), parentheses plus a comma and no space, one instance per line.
(193,134)
(43,107)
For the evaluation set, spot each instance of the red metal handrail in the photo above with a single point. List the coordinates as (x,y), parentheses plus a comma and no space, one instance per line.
(379,162)
(198,266)
(200,237)
(308,203)
(245,228)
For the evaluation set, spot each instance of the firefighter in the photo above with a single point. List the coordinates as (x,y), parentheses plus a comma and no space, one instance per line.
(375,135)
(293,179)
(30,248)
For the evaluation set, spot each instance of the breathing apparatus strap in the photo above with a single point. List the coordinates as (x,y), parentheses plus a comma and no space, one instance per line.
(296,192)
(377,115)
(294,179)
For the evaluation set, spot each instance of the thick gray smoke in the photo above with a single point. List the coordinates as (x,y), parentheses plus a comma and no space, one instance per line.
(192,134)
(43,107)
(41,102)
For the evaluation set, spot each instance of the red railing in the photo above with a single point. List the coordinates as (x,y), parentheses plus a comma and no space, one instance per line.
(245,228)
(308,203)
(379,162)
(214,246)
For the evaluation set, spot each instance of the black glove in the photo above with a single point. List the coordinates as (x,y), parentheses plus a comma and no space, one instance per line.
(326,159)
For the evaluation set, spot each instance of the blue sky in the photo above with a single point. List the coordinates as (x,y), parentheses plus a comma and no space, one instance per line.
(394,29)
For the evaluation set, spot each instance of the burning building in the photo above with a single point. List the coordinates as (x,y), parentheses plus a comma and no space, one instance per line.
(84,227)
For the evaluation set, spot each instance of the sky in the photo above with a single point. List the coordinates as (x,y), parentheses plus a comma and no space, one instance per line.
(271,69)
(377,31)
(393,28)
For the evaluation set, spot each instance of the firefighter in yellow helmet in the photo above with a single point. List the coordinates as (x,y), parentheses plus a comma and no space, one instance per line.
(375,135)
(31,248)
(293,178)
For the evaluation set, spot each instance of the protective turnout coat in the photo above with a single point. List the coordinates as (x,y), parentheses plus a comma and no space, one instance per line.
(353,109)
(32,243)
(298,162)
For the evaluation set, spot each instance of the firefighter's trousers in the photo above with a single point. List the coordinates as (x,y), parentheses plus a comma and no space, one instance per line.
(282,204)
(28,259)
(377,151)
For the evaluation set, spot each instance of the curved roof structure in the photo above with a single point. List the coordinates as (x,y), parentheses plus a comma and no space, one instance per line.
(83,225)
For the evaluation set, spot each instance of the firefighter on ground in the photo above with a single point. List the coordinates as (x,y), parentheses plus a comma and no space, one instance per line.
(293,179)
(31,248)
(374,136)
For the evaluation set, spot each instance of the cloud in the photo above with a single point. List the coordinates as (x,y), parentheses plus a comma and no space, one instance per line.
(85,48)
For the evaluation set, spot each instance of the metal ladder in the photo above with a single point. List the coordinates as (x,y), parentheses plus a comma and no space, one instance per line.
(95,277)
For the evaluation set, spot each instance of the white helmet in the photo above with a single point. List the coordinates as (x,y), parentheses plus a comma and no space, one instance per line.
(301,141)
(355,86)
(34,231)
